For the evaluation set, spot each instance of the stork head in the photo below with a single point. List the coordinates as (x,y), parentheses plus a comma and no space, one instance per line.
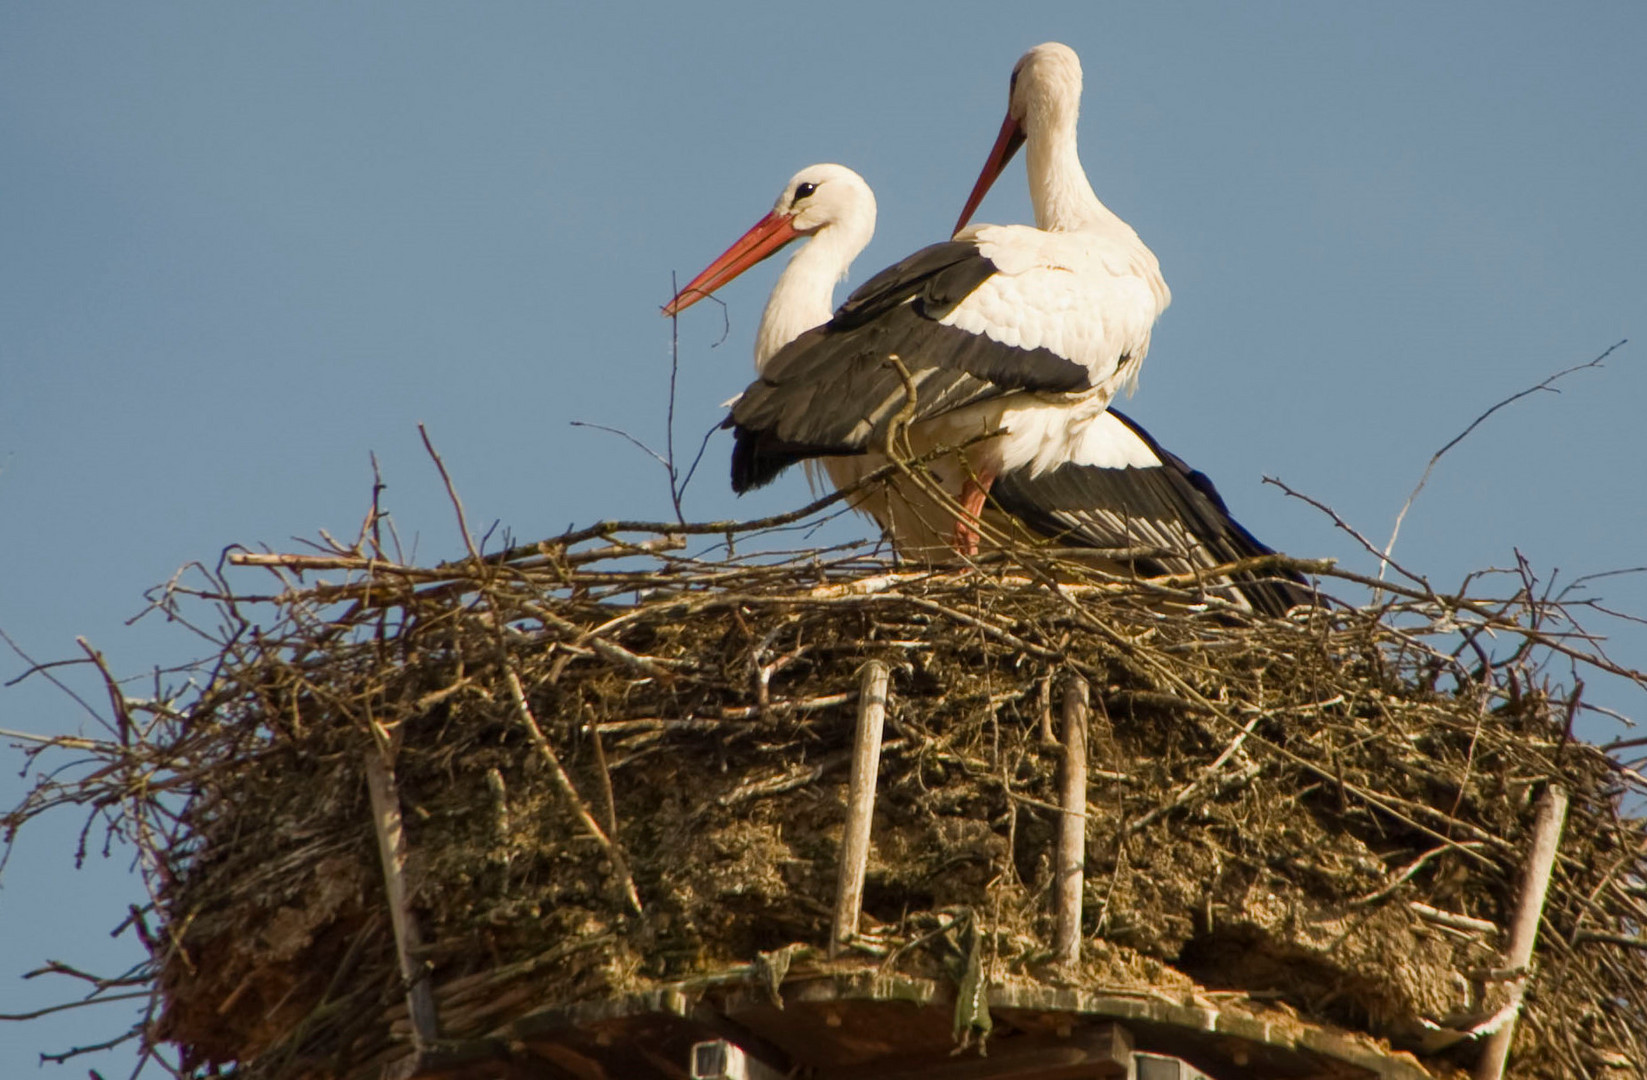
(1043,96)
(818,198)
(821,196)
(1045,92)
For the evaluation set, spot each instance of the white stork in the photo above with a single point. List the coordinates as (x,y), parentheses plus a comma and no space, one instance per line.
(1118,487)
(1018,334)
(834,209)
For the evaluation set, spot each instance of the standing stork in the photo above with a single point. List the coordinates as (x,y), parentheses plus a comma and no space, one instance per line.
(833,209)
(1008,340)
(1117,488)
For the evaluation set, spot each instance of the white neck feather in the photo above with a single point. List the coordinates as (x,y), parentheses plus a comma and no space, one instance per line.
(1058,187)
(805,294)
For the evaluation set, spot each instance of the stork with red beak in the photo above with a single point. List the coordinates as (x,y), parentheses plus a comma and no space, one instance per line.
(1119,488)
(1013,339)
(833,210)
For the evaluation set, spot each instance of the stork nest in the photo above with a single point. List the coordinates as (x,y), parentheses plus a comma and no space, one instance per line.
(621,765)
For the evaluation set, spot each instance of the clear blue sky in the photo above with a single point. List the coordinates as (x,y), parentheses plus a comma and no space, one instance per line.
(244,246)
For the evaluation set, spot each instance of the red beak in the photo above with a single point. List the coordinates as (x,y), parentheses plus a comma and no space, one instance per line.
(770,234)
(1006,144)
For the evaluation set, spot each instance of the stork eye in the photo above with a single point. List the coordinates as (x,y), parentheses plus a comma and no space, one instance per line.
(803,190)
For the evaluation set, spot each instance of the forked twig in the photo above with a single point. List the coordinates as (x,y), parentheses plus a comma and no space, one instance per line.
(1547,384)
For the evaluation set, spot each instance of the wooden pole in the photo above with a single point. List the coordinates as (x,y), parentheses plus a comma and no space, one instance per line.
(391,846)
(1072,825)
(860,803)
(1535,884)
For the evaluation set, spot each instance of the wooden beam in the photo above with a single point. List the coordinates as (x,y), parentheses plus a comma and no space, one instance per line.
(469,1059)
(391,847)
(860,803)
(723,1060)
(1070,863)
(889,1023)
(1096,1052)
(1535,884)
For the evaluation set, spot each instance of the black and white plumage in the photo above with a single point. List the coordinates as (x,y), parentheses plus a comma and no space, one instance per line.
(1116,486)
(1013,338)
(1123,489)
(835,389)
(832,211)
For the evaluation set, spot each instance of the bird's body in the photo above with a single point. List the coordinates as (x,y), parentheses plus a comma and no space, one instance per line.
(1091,479)
(1013,339)
(958,320)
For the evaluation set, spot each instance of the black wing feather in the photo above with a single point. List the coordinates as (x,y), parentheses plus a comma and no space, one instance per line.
(1171,507)
(834,389)
(937,277)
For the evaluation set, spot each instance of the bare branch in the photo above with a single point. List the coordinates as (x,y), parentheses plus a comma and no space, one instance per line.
(622,434)
(451,493)
(1547,384)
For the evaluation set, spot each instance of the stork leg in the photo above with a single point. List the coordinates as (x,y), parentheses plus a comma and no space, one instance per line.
(973,494)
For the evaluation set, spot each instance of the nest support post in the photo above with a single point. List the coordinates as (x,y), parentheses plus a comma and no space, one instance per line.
(1072,824)
(1548,823)
(860,803)
(391,846)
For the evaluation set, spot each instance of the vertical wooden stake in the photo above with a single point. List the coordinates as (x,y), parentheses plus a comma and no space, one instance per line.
(391,846)
(1071,860)
(860,803)
(1535,884)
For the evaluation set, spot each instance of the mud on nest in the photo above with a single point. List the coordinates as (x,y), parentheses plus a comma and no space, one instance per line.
(1278,808)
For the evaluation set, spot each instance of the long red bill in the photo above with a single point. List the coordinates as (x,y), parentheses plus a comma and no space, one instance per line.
(770,234)
(1006,144)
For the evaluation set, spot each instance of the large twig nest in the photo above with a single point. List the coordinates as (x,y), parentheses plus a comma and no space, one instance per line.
(1324,815)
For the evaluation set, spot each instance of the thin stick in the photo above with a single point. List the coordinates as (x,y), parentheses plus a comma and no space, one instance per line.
(451,493)
(1072,825)
(73,742)
(391,846)
(1547,384)
(1453,919)
(703,445)
(860,803)
(49,1009)
(622,434)
(669,421)
(517,695)
(1205,780)
(1383,557)
(1406,873)
(1547,825)
(117,700)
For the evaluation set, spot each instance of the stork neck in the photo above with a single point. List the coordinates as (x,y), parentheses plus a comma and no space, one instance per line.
(805,294)
(1063,198)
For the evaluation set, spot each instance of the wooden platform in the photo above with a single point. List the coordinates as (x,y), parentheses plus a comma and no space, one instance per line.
(858,1026)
